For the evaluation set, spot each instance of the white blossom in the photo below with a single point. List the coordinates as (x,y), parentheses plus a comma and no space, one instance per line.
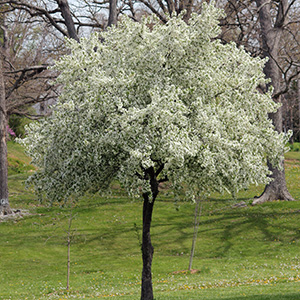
(143,93)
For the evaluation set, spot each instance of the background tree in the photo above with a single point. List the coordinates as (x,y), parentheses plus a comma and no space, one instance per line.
(112,19)
(146,106)
(269,29)
(4,203)
(33,34)
(28,49)
(24,76)
(271,35)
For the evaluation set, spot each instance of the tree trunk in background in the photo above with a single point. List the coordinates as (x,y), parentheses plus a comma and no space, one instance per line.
(4,203)
(298,95)
(112,19)
(271,36)
(66,13)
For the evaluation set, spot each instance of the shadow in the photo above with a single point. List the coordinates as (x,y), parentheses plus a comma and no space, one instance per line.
(231,224)
(218,216)
(291,296)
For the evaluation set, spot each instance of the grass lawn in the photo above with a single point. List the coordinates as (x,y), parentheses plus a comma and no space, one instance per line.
(248,253)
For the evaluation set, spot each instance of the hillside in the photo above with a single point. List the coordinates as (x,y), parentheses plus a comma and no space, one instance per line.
(18,161)
(245,253)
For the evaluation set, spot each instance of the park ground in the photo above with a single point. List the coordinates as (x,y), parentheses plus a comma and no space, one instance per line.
(247,253)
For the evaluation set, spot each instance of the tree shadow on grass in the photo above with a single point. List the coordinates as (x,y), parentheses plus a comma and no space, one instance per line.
(262,223)
(233,226)
(290,296)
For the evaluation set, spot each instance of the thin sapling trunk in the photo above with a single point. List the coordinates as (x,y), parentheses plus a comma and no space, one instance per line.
(69,242)
(198,210)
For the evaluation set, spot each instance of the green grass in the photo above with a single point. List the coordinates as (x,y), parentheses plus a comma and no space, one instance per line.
(247,253)
(294,147)
(18,162)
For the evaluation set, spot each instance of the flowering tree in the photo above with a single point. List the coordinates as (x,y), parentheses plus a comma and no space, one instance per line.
(145,103)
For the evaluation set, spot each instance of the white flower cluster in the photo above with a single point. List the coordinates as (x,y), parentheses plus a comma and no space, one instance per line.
(146,95)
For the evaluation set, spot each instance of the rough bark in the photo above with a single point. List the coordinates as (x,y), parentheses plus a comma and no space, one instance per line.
(147,248)
(276,189)
(271,36)
(4,203)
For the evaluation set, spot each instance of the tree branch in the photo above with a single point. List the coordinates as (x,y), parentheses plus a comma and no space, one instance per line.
(39,11)
(164,179)
(24,76)
(156,12)
(65,11)
(159,170)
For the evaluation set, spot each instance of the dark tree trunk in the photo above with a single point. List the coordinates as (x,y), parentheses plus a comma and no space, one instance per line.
(271,36)
(66,13)
(112,19)
(4,204)
(147,248)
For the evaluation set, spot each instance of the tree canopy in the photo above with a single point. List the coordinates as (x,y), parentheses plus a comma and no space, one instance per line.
(171,97)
